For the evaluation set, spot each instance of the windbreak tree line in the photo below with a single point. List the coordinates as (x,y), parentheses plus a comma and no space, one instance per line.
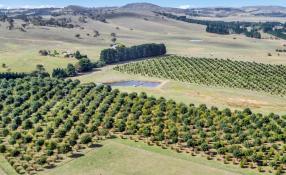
(43,120)
(110,56)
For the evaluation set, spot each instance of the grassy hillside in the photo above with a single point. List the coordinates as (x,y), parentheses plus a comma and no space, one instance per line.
(53,126)
(19,50)
(143,159)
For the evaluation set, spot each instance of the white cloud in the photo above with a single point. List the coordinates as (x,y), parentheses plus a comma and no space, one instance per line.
(186,6)
(36,7)
(26,6)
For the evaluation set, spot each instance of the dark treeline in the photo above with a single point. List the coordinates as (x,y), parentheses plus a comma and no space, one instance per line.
(280,50)
(109,56)
(3,17)
(135,52)
(219,29)
(279,33)
(271,28)
(236,27)
(82,66)
(253,34)
(53,22)
(12,75)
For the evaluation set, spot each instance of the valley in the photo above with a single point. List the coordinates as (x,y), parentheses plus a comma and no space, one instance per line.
(137,88)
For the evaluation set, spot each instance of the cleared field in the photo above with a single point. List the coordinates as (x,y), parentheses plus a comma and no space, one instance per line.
(192,40)
(5,167)
(19,50)
(20,53)
(144,160)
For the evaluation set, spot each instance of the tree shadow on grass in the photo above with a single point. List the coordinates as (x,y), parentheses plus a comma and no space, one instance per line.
(96,145)
(76,155)
(51,166)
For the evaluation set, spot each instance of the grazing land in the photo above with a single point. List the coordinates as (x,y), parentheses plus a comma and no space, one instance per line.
(19,50)
(143,159)
(5,167)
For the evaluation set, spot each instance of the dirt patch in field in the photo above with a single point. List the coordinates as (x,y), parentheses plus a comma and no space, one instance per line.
(199,95)
(163,83)
(243,102)
(231,102)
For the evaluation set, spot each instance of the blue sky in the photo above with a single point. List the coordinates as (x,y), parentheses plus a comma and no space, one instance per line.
(169,3)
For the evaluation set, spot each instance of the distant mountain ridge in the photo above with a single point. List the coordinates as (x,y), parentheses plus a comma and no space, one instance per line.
(267,11)
(264,8)
(271,11)
(142,6)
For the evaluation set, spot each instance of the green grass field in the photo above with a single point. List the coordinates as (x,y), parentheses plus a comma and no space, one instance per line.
(143,159)
(5,167)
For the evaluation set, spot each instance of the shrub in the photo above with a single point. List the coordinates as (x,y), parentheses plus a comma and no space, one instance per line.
(85,139)
(59,73)
(64,148)
(204,146)
(15,152)
(84,65)
(44,52)
(42,160)
(2,148)
(70,70)
(27,139)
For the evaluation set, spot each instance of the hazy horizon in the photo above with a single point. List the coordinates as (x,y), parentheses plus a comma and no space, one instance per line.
(171,3)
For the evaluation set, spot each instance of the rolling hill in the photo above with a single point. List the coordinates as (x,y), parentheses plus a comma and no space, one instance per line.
(219,107)
(19,50)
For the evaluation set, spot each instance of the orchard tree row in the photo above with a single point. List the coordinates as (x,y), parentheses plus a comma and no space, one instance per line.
(45,120)
(213,72)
